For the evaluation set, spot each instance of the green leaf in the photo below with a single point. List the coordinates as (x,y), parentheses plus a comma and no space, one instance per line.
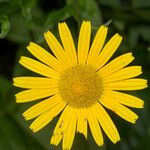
(143,14)
(138,31)
(4,91)
(15,2)
(7,9)
(19,30)
(145,32)
(133,36)
(5,25)
(1,1)
(141,3)
(19,70)
(13,137)
(6,95)
(120,25)
(80,140)
(92,144)
(57,16)
(87,10)
(26,8)
(112,3)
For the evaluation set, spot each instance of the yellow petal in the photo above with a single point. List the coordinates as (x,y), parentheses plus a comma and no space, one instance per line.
(84,42)
(117,108)
(44,56)
(46,117)
(69,134)
(108,50)
(94,126)
(130,84)
(34,94)
(35,82)
(125,73)
(67,42)
(107,124)
(126,99)
(61,126)
(42,107)
(82,122)
(38,67)
(57,49)
(97,45)
(116,64)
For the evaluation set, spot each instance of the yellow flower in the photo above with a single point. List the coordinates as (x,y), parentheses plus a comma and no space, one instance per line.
(79,85)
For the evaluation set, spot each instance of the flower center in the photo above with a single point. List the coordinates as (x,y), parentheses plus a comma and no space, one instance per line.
(80,86)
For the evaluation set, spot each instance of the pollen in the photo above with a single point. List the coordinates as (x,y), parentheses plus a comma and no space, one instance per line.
(80,86)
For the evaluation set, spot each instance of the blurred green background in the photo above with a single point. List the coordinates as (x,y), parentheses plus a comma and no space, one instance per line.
(22,21)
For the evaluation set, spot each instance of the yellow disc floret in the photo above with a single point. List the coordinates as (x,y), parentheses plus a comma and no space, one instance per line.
(80,86)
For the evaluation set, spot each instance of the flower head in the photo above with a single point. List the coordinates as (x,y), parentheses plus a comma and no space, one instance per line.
(79,84)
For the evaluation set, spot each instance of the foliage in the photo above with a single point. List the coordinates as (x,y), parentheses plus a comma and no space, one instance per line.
(22,21)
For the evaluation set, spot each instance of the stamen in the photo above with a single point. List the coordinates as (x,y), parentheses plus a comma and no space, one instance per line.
(80,86)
